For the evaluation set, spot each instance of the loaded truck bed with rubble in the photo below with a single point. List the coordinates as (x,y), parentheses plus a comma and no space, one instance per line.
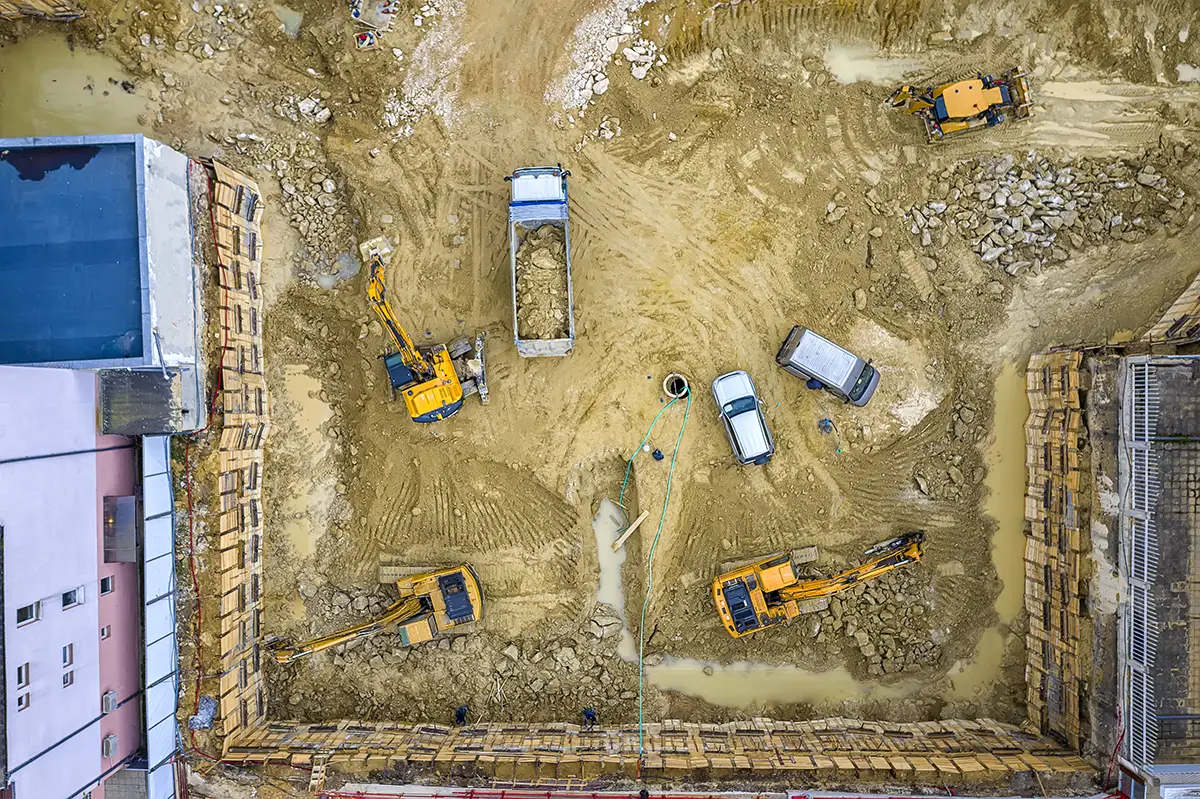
(540,256)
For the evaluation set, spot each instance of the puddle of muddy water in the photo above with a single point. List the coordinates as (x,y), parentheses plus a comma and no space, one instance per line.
(607,526)
(305,510)
(745,685)
(48,89)
(850,64)
(969,678)
(290,20)
(1005,459)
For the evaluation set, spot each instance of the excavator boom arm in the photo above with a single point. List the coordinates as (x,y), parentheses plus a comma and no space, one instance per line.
(377,293)
(395,615)
(811,589)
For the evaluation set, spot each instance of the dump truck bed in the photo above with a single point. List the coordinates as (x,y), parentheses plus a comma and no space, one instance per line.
(543,305)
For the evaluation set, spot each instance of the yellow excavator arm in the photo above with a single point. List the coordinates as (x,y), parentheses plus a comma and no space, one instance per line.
(828,586)
(403,611)
(428,381)
(770,591)
(377,294)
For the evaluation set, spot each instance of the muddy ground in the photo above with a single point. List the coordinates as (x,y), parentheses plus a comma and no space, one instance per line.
(750,180)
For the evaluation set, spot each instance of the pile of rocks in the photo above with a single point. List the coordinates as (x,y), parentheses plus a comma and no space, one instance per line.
(500,679)
(312,198)
(310,108)
(885,620)
(427,10)
(542,284)
(956,474)
(642,55)
(1023,214)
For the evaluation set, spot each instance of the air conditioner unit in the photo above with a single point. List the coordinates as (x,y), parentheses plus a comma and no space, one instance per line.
(108,702)
(108,747)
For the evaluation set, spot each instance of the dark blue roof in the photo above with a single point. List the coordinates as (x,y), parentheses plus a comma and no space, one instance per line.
(737,597)
(70,253)
(458,602)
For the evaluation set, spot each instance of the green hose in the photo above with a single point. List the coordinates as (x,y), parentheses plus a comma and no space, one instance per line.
(650,561)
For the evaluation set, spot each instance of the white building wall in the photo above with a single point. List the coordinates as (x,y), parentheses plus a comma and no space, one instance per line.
(49,519)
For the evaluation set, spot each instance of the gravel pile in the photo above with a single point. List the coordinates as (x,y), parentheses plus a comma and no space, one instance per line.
(600,38)
(313,201)
(884,620)
(1021,214)
(542,284)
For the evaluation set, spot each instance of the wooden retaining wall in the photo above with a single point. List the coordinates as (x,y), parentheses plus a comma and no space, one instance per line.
(1056,566)
(932,752)
(52,9)
(1182,320)
(237,212)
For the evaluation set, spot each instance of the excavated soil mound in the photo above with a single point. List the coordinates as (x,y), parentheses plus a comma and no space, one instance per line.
(542,284)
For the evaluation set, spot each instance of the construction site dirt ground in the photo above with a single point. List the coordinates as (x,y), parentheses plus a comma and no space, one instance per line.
(753,181)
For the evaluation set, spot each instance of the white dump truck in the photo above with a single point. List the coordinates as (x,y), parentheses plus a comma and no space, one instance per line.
(539,244)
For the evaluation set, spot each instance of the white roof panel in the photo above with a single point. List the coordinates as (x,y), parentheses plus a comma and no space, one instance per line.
(536,188)
(824,359)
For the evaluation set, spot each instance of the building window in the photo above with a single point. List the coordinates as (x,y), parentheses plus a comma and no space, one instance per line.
(72,598)
(23,675)
(68,678)
(120,529)
(106,632)
(23,701)
(107,584)
(68,655)
(29,614)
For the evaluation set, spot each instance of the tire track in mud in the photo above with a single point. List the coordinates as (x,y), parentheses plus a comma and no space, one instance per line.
(887,23)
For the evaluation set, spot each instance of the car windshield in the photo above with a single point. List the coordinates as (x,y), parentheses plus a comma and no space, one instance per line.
(739,406)
(863,381)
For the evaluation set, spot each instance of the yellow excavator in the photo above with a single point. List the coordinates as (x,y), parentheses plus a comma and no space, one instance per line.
(770,591)
(431,603)
(432,380)
(960,106)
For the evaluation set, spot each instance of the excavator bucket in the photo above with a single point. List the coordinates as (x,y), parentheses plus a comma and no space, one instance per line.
(470,363)
(900,96)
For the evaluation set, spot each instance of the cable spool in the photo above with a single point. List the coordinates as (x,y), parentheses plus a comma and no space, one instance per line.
(676,385)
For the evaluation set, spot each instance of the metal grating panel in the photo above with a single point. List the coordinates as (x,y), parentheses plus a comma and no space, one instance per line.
(161,646)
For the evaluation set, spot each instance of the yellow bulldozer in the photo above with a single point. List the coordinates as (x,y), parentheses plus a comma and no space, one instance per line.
(964,105)
(769,591)
(432,603)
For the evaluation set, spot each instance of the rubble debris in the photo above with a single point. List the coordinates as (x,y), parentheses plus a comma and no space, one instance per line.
(1024,213)
(542,284)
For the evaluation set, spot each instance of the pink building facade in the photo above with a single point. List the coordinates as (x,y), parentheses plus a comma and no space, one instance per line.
(73,646)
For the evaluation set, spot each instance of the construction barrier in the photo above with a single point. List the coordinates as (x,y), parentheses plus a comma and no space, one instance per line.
(1056,572)
(237,212)
(931,752)
(52,9)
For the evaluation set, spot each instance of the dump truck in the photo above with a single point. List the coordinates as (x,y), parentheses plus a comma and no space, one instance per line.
(539,247)
(769,591)
(433,602)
